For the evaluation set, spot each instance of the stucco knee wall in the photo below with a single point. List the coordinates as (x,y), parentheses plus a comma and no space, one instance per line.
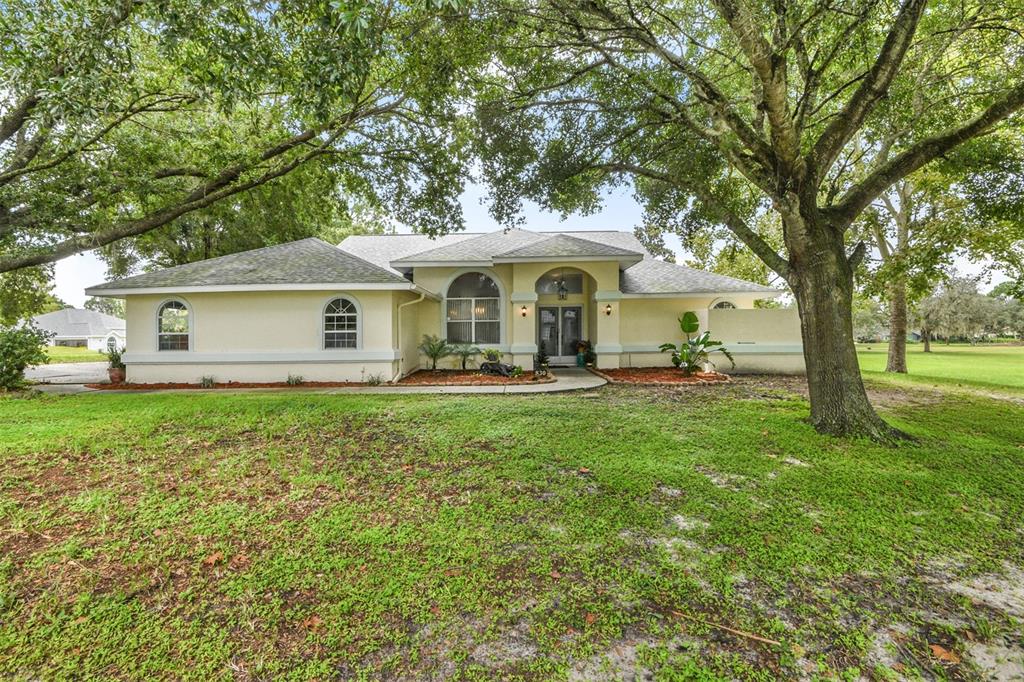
(259,372)
(746,363)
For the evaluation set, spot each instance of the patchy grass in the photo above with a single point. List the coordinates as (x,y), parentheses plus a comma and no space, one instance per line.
(981,366)
(70,354)
(515,537)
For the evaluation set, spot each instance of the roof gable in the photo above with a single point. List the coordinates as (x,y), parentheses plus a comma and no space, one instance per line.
(566,246)
(478,249)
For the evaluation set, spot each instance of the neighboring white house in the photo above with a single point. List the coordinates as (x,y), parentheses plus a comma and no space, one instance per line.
(83,328)
(360,309)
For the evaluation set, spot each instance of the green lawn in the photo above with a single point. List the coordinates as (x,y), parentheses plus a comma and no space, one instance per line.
(308,536)
(67,354)
(1000,367)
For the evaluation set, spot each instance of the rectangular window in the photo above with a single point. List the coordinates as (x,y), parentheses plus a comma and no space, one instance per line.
(173,342)
(340,339)
(473,320)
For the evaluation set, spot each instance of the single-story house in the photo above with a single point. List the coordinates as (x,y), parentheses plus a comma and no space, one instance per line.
(360,309)
(77,327)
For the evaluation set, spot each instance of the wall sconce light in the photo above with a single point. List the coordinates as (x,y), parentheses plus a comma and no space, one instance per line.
(523,311)
(608,309)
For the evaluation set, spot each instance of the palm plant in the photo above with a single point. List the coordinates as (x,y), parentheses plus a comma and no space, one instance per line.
(690,355)
(435,348)
(464,351)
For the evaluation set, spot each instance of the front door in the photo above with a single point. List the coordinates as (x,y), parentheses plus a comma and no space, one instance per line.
(560,328)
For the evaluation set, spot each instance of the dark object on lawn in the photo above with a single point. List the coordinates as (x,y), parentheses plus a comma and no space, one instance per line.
(496,369)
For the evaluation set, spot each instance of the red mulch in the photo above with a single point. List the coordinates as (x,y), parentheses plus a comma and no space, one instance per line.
(229,384)
(659,376)
(469,377)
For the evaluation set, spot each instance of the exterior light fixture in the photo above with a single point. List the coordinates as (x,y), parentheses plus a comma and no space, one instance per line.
(608,309)
(524,311)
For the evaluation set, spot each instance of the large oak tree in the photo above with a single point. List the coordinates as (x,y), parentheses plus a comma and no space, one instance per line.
(718,110)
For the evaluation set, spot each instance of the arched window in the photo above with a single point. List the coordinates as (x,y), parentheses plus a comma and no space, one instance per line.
(724,305)
(341,324)
(172,326)
(473,309)
(111,344)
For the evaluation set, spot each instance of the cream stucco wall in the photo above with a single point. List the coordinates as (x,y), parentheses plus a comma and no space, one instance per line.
(265,336)
(261,336)
(762,340)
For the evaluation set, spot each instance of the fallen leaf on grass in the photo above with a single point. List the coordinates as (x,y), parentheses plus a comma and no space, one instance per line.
(313,623)
(944,654)
(584,470)
(590,619)
(214,559)
(555,574)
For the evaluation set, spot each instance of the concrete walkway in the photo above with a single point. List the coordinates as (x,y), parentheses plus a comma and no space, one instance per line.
(568,379)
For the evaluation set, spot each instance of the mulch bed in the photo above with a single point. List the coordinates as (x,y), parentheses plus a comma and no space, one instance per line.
(658,376)
(469,377)
(229,384)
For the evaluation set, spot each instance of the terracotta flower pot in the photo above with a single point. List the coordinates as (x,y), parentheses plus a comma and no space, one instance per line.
(116,375)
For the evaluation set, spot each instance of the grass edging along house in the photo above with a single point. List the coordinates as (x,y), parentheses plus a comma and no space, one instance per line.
(359,309)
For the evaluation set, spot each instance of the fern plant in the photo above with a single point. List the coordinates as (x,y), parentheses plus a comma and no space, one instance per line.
(690,355)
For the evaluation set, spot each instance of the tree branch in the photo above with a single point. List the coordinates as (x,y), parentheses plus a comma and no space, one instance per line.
(732,221)
(863,193)
(872,88)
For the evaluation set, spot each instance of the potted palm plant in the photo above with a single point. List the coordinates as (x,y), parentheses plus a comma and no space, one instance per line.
(115,368)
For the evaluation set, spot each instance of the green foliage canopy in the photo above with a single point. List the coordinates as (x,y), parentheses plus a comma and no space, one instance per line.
(117,119)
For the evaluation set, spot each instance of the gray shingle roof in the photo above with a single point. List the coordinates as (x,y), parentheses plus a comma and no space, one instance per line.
(479,248)
(566,246)
(307,261)
(381,249)
(651,276)
(78,323)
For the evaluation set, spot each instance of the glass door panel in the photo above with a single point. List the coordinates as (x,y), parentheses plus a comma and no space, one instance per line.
(571,331)
(559,328)
(547,332)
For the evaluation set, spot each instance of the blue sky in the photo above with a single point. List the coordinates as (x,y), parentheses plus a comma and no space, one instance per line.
(620,212)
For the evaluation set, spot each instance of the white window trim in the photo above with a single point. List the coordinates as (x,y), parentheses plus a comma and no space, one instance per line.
(322,327)
(191,324)
(502,305)
(716,301)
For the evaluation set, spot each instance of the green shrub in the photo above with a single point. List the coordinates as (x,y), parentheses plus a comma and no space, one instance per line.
(464,351)
(20,347)
(375,379)
(517,371)
(492,355)
(294,380)
(691,354)
(435,348)
(207,382)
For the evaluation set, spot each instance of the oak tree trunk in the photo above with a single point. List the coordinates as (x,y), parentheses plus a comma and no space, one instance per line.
(897,361)
(927,335)
(822,282)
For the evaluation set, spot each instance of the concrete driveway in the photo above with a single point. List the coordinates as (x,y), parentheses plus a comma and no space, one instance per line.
(69,373)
